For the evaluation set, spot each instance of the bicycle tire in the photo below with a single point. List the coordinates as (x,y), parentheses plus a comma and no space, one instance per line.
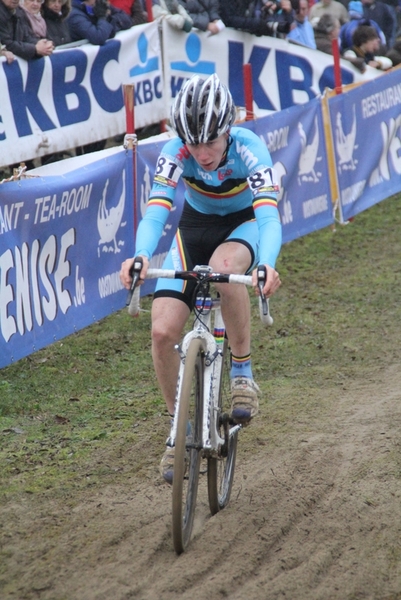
(220,470)
(185,487)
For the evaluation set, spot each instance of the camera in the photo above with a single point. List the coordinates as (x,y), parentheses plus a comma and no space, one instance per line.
(271,7)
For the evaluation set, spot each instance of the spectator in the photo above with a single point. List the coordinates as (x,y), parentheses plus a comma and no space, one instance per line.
(9,56)
(133,8)
(174,14)
(55,13)
(301,30)
(204,14)
(96,20)
(365,46)
(381,13)
(16,33)
(395,53)
(326,30)
(271,18)
(355,11)
(35,19)
(328,7)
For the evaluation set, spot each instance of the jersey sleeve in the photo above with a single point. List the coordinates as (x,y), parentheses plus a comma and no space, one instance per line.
(263,184)
(167,174)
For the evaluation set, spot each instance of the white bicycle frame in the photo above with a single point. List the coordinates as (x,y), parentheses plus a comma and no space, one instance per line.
(213,349)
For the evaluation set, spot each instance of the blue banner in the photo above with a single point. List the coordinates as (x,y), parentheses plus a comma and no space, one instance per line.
(62,240)
(295,138)
(366,126)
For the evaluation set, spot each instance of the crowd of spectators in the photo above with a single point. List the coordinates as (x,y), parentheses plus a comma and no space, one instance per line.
(34,28)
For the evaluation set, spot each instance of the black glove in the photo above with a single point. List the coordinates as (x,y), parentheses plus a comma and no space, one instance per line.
(100,8)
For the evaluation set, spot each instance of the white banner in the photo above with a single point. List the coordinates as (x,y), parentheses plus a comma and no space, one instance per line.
(283,73)
(75,96)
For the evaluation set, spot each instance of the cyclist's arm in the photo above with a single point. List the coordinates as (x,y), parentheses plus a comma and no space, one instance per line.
(270,236)
(151,227)
(263,185)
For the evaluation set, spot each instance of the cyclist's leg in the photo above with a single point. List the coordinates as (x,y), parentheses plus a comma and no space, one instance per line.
(169,316)
(170,311)
(234,257)
(238,255)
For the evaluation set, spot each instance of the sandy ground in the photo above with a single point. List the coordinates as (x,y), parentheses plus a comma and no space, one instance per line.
(316,517)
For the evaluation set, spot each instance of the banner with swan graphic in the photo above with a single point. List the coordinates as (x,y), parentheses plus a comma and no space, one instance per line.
(366,125)
(62,242)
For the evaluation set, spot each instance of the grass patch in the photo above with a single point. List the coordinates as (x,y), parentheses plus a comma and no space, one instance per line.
(73,414)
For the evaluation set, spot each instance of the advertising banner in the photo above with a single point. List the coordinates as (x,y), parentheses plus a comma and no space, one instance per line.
(283,73)
(366,130)
(62,240)
(295,139)
(75,96)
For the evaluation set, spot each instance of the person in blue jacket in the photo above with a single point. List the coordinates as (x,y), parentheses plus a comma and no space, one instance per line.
(230,221)
(96,21)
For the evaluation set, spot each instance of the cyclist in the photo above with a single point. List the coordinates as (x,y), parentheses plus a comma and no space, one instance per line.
(229,220)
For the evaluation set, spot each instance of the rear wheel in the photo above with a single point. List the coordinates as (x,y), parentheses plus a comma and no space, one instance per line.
(188,446)
(220,470)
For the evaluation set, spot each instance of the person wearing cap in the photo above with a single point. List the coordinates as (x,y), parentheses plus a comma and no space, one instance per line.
(382,14)
(355,11)
(229,221)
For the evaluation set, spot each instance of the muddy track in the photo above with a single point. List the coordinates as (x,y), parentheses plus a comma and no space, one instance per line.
(317,517)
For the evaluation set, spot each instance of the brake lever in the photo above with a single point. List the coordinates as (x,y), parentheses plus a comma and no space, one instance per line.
(261,274)
(135,272)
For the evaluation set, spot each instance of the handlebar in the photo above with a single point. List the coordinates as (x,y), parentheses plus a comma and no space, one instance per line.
(199,274)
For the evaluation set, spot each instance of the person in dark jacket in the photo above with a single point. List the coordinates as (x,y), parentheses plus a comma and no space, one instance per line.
(260,17)
(204,14)
(55,13)
(133,8)
(395,53)
(9,56)
(326,30)
(382,14)
(96,20)
(16,34)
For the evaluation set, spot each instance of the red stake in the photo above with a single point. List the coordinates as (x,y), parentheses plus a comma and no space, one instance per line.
(248,92)
(337,69)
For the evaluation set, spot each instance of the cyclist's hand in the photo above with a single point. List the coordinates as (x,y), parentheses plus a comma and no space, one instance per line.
(272,283)
(125,276)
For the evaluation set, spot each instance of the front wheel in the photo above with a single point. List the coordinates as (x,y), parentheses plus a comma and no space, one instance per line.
(188,446)
(220,469)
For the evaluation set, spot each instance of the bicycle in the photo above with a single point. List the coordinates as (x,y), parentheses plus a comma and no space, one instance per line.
(201,427)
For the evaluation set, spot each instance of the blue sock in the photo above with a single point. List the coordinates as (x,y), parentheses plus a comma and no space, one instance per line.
(241,366)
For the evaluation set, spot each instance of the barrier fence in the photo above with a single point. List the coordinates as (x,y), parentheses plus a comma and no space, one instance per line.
(75,96)
(65,232)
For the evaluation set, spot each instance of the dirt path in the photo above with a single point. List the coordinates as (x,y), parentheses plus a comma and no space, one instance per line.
(317,517)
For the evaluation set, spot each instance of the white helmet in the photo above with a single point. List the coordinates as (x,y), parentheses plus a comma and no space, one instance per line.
(202,110)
